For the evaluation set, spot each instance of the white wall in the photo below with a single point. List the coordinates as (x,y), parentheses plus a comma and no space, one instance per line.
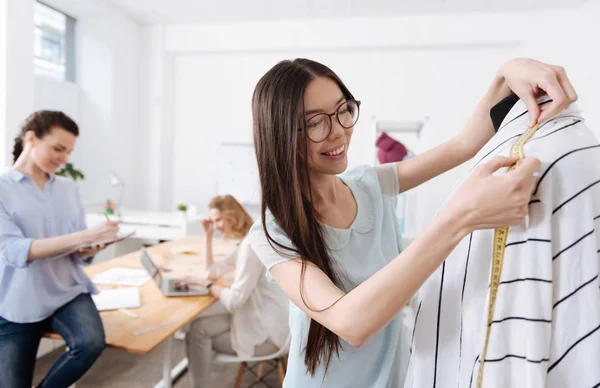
(105,101)
(157,118)
(127,133)
(53,94)
(401,68)
(572,41)
(16,71)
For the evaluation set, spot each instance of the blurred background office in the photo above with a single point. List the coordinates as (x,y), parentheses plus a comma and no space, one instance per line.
(163,88)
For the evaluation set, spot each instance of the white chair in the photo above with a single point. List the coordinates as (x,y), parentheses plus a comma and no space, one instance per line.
(280,358)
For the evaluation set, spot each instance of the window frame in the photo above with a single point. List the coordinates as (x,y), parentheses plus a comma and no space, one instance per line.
(69,36)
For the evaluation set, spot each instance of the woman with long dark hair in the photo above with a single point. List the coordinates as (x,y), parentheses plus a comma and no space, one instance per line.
(41,217)
(331,241)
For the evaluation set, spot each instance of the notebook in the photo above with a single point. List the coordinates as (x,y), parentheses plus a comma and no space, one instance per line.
(121,276)
(95,243)
(117,298)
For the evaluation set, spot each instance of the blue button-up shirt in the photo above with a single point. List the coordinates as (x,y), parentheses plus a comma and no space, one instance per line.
(32,290)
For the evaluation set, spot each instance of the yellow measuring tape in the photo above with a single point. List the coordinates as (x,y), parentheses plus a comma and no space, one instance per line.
(500,237)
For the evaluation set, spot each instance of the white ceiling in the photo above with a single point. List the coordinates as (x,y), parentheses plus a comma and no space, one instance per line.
(193,11)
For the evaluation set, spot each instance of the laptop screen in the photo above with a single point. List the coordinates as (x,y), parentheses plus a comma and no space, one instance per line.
(148,264)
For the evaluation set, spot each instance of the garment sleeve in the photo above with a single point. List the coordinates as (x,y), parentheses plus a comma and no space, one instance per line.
(223,266)
(388,179)
(269,256)
(14,246)
(571,192)
(79,226)
(247,273)
(576,293)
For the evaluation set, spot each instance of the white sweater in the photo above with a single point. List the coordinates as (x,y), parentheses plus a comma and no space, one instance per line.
(546,323)
(259,309)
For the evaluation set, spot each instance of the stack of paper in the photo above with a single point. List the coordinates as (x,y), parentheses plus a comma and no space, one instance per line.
(121,276)
(118,298)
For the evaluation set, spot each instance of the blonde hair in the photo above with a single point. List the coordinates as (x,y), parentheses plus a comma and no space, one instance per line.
(234,212)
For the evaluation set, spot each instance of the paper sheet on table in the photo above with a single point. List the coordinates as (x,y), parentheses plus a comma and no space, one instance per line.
(117,298)
(121,276)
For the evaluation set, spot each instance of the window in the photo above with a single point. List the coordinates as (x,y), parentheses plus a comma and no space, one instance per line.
(53,43)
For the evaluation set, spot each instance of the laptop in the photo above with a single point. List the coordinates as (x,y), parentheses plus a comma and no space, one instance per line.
(168,286)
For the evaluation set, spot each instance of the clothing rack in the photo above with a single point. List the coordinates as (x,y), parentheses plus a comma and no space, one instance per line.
(400,126)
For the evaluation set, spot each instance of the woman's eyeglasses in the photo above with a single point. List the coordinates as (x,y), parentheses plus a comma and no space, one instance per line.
(318,127)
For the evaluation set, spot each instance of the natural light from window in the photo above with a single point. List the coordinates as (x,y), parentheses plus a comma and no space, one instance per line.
(52,43)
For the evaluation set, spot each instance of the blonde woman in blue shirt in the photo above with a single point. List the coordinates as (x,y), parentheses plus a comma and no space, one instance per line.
(41,216)
(331,242)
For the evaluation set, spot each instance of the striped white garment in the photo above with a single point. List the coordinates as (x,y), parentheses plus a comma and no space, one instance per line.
(546,323)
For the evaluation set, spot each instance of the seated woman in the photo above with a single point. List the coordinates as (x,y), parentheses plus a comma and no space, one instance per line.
(41,287)
(251,317)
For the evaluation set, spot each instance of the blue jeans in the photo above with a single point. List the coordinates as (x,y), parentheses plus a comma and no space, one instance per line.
(78,323)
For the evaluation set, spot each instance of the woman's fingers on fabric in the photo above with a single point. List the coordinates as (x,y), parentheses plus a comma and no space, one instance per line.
(528,97)
(495,164)
(527,168)
(551,84)
(569,93)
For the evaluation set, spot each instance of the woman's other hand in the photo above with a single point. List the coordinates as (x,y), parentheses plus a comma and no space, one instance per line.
(208,226)
(529,78)
(104,231)
(91,251)
(488,201)
(192,280)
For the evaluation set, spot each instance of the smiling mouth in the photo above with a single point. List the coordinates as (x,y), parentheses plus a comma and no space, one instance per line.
(336,151)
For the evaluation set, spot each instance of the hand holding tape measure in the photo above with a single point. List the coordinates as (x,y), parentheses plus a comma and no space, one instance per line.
(488,200)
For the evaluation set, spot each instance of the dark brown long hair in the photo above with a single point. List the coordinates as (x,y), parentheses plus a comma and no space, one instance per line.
(41,123)
(278,114)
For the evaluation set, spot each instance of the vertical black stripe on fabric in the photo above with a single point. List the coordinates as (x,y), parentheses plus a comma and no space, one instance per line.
(473,370)
(437,334)
(412,341)
(462,298)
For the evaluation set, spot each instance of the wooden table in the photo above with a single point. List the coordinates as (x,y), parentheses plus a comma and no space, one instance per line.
(156,308)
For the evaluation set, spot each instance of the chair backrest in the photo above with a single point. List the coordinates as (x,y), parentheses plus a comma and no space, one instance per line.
(285,348)
(279,353)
